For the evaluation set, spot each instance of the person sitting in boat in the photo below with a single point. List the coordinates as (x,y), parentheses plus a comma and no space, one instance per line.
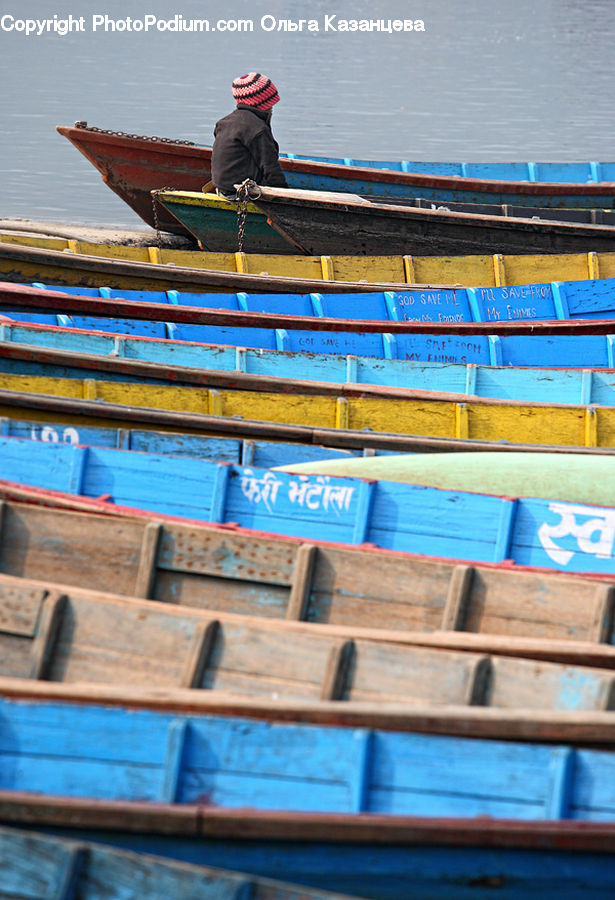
(244,146)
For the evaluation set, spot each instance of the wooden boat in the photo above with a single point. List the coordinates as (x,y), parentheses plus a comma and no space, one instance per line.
(588,298)
(25,258)
(32,349)
(129,267)
(212,221)
(317,222)
(48,536)
(528,531)
(307,405)
(40,866)
(86,750)
(533,385)
(335,807)
(134,166)
(63,634)
(262,453)
(379,857)
(66,420)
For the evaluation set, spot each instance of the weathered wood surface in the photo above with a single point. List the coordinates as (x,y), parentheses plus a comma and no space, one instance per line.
(35,259)
(593,729)
(71,417)
(346,223)
(220,570)
(417,413)
(71,635)
(122,267)
(40,867)
(457,524)
(34,299)
(91,750)
(379,857)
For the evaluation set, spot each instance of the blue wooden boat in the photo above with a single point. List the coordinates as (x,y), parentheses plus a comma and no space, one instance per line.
(133,167)
(83,750)
(329,807)
(582,299)
(42,867)
(460,356)
(564,534)
(242,451)
(532,369)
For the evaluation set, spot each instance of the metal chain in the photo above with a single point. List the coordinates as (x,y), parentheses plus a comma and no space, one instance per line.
(247,190)
(134,137)
(155,205)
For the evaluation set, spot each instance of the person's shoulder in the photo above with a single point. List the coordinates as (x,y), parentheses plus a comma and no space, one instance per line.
(225,119)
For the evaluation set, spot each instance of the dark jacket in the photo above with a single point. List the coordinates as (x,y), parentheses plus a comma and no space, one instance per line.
(244,147)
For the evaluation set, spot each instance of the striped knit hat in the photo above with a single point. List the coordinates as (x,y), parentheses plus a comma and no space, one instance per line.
(255,90)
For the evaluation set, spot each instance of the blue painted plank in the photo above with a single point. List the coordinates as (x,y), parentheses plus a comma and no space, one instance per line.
(135,296)
(209,301)
(424,520)
(134,327)
(390,872)
(298,505)
(334,342)
(593,300)
(444,348)
(35,318)
(114,753)
(565,172)
(571,351)
(522,302)
(142,480)
(238,337)
(282,304)
(568,536)
(370,306)
(432,306)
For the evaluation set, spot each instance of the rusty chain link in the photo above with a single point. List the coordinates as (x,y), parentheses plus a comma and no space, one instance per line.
(155,205)
(134,137)
(247,190)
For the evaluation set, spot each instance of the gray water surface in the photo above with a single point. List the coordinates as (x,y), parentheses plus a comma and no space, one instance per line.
(487,80)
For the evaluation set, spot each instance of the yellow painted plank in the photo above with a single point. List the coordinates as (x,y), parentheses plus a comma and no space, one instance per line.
(112,251)
(34,241)
(606,263)
(292,409)
(195,259)
(403,416)
(441,418)
(290,266)
(370,268)
(479,271)
(181,399)
(35,384)
(528,424)
(537,269)
(471,271)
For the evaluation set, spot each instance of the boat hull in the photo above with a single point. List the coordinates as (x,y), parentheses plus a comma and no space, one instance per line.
(539,867)
(332,224)
(132,167)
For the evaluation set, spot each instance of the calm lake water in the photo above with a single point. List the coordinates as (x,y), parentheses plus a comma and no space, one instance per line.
(488,79)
